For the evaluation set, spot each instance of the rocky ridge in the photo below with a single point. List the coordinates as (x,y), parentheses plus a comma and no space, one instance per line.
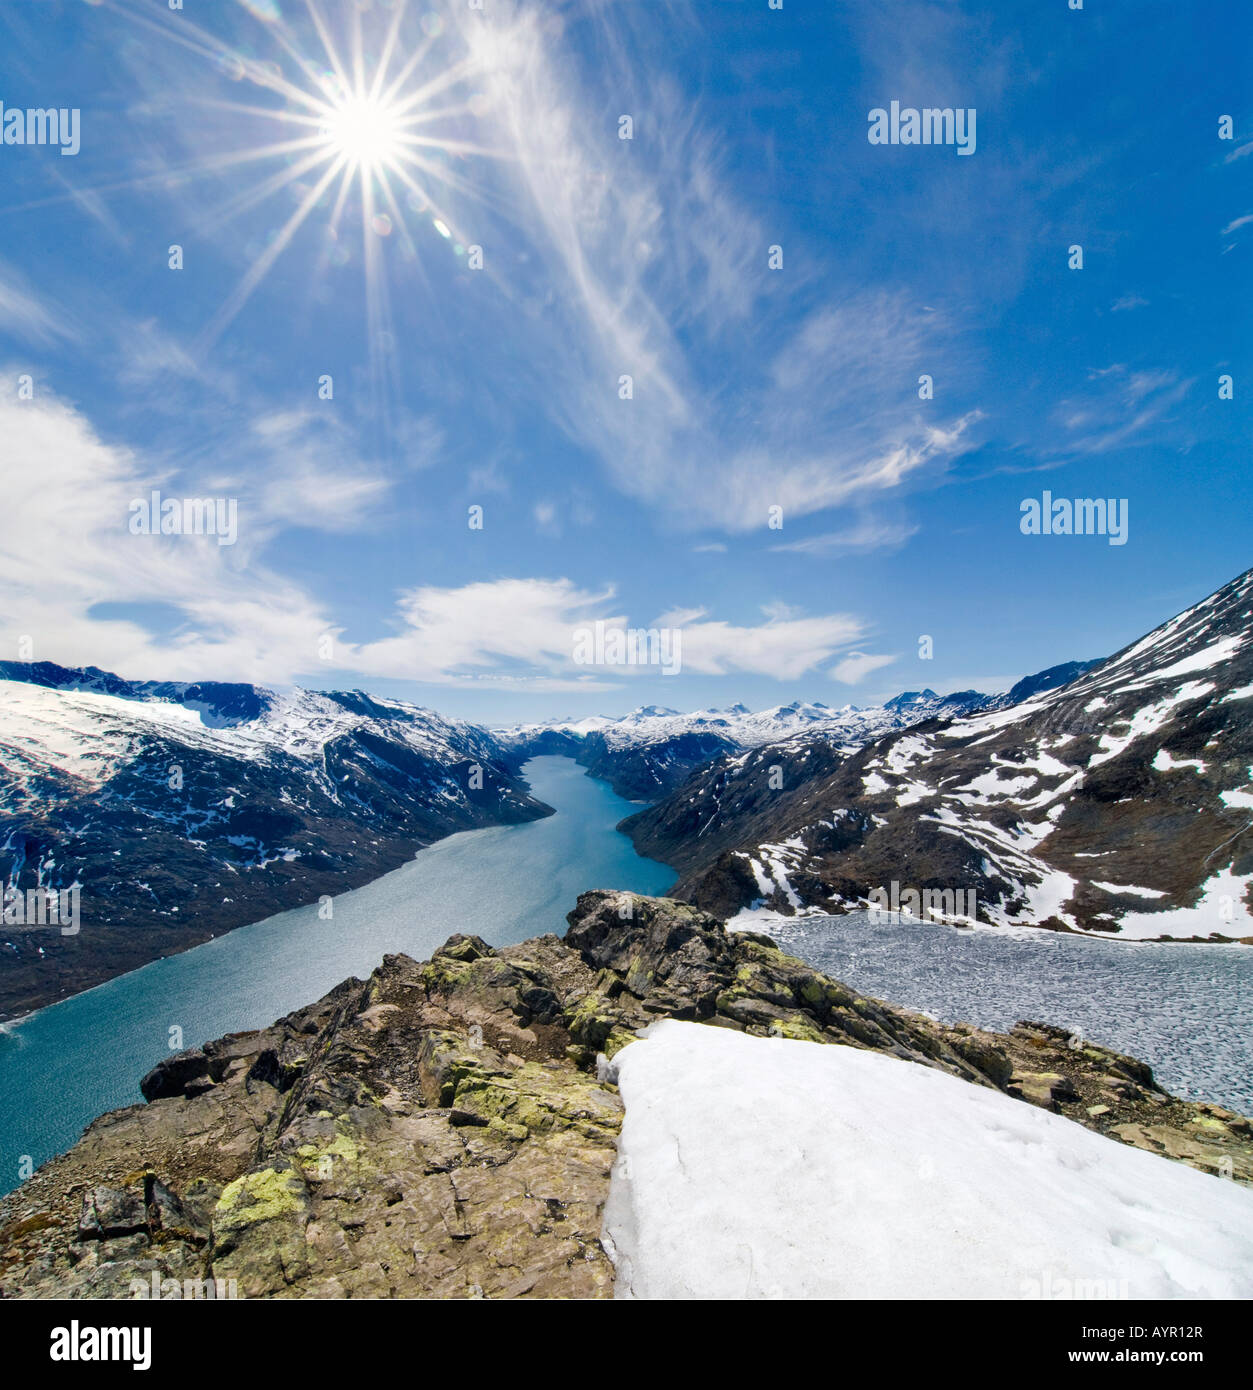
(447,1128)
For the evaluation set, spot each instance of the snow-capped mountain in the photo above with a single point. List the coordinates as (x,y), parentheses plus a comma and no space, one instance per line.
(1121,802)
(183,810)
(650,752)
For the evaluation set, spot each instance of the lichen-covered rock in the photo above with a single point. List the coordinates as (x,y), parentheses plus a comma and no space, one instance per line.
(446,1129)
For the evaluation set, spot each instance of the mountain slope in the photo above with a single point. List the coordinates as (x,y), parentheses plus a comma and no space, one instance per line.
(1120,802)
(181,811)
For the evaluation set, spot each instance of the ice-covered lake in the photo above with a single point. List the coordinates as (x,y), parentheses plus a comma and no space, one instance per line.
(1186,1009)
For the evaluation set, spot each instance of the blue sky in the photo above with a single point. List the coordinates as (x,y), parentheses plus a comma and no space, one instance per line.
(454,387)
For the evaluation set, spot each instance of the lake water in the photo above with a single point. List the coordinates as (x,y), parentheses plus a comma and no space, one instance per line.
(1185,1009)
(68,1063)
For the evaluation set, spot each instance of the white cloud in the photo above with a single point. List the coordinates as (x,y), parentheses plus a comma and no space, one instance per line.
(857,666)
(783,648)
(66,548)
(680,617)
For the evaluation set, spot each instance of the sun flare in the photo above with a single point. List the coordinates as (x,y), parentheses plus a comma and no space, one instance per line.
(371,133)
(365,130)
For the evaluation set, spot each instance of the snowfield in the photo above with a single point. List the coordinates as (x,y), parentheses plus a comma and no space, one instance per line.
(768,1168)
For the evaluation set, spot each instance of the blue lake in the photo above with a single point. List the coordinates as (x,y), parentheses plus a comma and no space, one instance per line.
(68,1063)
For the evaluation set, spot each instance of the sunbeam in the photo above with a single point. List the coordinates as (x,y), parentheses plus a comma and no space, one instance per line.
(357,124)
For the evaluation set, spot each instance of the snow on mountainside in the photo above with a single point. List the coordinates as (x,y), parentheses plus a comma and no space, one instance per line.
(1121,802)
(181,811)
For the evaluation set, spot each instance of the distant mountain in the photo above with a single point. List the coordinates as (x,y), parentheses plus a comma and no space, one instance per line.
(650,752)
(1118,802)
(183,810)
(1052,679)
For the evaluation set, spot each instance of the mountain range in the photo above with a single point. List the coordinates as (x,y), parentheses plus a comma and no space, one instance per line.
(1109,796)
(1119,802)
(653,750)
(182,810)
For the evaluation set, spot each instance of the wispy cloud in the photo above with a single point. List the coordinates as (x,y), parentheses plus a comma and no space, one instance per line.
(1118,409)
(28,317)
(659,259)
(857,666)
(869,534)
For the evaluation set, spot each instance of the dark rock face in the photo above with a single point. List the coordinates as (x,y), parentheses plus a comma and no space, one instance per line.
(441,1130)
(1121,795)
(255,804)
(734,802)
(1052,679)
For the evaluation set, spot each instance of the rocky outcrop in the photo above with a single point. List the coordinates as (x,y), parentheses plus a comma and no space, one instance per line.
(446,1129)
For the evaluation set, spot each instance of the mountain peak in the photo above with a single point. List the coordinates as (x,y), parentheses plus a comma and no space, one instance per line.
(910,697)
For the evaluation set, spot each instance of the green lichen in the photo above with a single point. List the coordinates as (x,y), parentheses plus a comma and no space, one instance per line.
(342,1147)
(534,1100)
(263,1195)
(592,1021)
(799,1027)
(617,1040)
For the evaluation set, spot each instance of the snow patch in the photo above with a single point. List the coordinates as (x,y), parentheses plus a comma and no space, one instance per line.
(768,1168)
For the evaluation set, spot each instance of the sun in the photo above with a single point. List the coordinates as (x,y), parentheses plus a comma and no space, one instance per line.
(371,125)
(365,130)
